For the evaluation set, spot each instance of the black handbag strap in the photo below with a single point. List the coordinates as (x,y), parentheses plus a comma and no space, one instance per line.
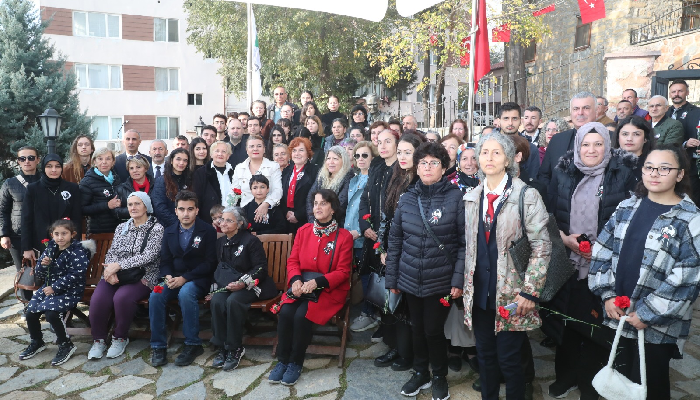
(335,241)
(432,234)
(145,238)
(521,209)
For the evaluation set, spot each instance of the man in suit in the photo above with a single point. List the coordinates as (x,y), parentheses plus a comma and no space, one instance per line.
(158,151)
(131,142)
(688,115)
(583,110)
(187,263)
(510,122)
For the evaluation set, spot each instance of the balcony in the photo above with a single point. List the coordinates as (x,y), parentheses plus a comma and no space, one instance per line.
(677,22)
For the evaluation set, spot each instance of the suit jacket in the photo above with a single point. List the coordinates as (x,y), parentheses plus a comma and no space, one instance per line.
(152,171)
(669,131)
(205,184)
(558,146)
(120,165)
(197,262)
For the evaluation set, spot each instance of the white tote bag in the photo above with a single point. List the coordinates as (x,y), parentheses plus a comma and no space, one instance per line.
(611,384)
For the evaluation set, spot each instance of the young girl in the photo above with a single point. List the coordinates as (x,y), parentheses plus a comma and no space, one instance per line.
(274,222)
(62,265)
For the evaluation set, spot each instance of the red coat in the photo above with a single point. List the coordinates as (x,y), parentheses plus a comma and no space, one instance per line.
(308,255)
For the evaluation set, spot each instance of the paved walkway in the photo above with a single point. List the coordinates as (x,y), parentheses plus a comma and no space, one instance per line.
(131,377)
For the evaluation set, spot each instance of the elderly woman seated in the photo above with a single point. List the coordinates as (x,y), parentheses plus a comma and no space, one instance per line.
(131,271)
(242,279)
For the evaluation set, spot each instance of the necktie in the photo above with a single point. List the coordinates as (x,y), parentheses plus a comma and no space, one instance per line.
(157,171)
(489,214)
(674,113)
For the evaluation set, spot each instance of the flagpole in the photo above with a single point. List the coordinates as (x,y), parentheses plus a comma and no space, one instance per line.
(472,51)
(249,71)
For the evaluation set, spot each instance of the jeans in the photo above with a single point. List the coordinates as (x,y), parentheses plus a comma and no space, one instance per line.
(187,295)
(367,307)
(122,300)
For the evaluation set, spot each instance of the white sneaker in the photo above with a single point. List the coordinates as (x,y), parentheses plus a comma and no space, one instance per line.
(363,323)
(117,348)
(97,350)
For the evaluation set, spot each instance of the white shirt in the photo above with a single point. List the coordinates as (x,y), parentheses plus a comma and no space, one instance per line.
(499,190)
(270,170)
(224,182)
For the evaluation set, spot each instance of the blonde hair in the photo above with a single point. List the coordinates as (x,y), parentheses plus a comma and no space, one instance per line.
(101,152)
(218,143)
(141,161)
(368,144)
(324,177)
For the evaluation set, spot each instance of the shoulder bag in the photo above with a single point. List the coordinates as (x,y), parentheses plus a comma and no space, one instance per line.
(133,275)
(25,279)
(310,275)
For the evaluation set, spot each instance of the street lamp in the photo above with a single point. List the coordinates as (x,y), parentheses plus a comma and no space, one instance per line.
(198,127)
(50,124)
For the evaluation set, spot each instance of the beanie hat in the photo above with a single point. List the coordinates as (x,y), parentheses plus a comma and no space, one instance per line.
(145,199)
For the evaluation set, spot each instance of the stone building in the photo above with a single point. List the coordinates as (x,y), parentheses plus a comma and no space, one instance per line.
(641,44)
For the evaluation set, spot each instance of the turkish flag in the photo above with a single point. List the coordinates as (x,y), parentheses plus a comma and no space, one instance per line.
(482,58)
(545,10)
(501,34)
(464,60)
(591,10)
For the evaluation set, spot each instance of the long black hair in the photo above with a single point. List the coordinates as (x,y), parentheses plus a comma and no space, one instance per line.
(172,184)
(681,187)
(401,178)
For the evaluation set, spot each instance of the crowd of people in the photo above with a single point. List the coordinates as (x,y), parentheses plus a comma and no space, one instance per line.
(433,218)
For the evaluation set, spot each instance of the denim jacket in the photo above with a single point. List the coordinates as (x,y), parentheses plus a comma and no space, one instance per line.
(352,214)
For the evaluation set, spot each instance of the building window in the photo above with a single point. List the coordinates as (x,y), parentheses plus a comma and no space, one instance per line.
(583,35)
(96,24)
(165,30)
(106,128)
(690,19)
(194,99)
(434,58)
(99,76)
(167,127)
(167,79)
(530,51)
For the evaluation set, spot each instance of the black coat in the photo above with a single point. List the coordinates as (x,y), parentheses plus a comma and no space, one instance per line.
(372,203)
(304,183)
(123,192)
(275,222)
(238,152)
(558,146)
(35,211)
(96,192)
(197,262)
(11,197)
(245,253)
(415,264)
(120,165)
(205,184)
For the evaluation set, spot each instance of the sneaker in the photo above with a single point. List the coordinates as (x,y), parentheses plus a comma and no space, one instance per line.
(35,347)
(220,359)
(159,357)
(292,374)
(65,350)
(559,390)
(419,380)
(117,348)
(233,358)
(97,350)
(548,342)
(387,359)
(440,390)
(277,373)
(378,335)
(189,354)
(363,322)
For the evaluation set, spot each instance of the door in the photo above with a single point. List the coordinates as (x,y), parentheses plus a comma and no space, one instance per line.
(659,86)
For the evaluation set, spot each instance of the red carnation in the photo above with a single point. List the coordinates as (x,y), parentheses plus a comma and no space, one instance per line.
(584,247)
(503,312)
(444,302)
(376,245)
(257,281)
(622,302)
(275,309)
(67,219)
(237,191)
(249,225)
(158,289)
(366,217)
(45,241)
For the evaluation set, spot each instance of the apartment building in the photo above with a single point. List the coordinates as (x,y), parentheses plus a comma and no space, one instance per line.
(134,67)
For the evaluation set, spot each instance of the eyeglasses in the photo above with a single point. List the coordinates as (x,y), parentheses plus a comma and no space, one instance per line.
(23,158)
(363,155)
(431,164)
(550,130)
(654,105)
(228,221)
(662,171)
(136,156)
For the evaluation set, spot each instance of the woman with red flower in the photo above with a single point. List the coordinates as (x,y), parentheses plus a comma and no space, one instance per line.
(645,264)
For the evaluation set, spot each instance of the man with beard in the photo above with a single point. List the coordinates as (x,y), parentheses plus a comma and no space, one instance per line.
(510,122)
(531,122)
(688,115)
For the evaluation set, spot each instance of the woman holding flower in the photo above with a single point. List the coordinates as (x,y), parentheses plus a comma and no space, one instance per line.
(499,303)
(645,265)
(241,278)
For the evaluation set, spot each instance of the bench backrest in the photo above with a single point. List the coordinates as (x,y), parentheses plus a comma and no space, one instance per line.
(277,247)
(103,241)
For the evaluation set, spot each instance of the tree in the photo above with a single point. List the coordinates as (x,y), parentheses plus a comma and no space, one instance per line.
(33,77)
(298,49)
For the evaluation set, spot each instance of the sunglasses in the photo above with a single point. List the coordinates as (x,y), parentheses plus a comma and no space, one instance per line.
(363,155)
(137,156)
(23,158)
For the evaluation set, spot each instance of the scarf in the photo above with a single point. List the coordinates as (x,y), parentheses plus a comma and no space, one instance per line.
(321,229)
(293,185)
(109,178)
(146,187)
(50,183)
(585,201)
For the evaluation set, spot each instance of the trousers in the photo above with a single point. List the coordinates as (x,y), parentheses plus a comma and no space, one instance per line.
(53,318)
(428,317)
(229,311)
(122,300)
(294,332)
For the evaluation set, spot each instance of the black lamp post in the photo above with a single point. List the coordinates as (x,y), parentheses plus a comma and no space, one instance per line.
(50,124)
(198,127)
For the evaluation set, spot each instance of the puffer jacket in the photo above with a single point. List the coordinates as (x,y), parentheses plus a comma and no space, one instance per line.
(124,190)
(96,192)
(11,197)
(618,182)
(414,263)
(509,229)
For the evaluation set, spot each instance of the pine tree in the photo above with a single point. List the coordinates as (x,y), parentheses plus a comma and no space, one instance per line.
(33,77)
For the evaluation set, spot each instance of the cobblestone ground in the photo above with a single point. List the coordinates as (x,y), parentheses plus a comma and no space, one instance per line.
(131,377)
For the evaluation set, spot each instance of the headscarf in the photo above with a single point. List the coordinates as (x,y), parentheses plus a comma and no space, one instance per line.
(51,183)
(585,201)
(461,179)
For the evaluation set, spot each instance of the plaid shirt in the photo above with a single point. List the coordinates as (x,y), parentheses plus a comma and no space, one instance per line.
(669,275)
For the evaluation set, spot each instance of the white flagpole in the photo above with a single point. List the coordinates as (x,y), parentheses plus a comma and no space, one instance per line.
(249,71)
(472,52)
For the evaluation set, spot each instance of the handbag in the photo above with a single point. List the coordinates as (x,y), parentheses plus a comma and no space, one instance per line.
(310,275)
(380,296)
(25,279)
(133,275)
(559,269)
(611,384)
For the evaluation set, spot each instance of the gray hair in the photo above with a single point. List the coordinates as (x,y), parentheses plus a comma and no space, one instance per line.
(660,97)
(239,214)
(508,148)
(583,95)
(561,125)
(605,101)
(133,130)
(165,145)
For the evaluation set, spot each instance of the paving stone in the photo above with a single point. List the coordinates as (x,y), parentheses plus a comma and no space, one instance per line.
(540,351)
(464,391)
(7,372)
(49,337)
(242,363)
(193,392)
(692,387)
(266,390)
(137,346)
(676,395)
(689,366)
(202,359)
(11,311)
(374,351)
(367,382)
(3,359)
(134,367)
(73,363)
(543,368)
(140,396)
(28,378)
(7,281)
(350,352)
(8,330)
(73,382)
(44,357)
(259,353)
(25,395)
(174,377)
(117,388)
(316,363)
(82,348)
(317,381)
(8,346)
(329,396)
(104,362)
(9,302)
(237,381)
